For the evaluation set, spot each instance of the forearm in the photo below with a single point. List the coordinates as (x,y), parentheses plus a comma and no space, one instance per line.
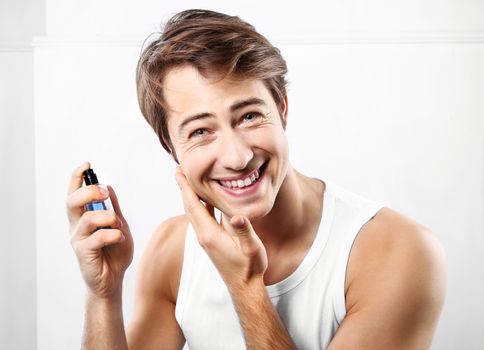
(104,325)
(261,324)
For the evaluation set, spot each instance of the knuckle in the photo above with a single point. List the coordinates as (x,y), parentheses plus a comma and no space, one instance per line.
(117,234)
(75,246)
(75,173)
(109,236)
(78,170)
(69,204)
(245,231)
(251,251)
(87,217)
(89,220)
(99,236)
(111,217)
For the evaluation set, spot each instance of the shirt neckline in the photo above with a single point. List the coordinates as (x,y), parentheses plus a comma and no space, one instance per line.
(314,252)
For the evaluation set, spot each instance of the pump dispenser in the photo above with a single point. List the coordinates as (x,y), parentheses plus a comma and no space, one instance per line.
(90,178)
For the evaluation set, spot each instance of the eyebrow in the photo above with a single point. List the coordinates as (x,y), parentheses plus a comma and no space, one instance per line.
(243,103)
(233,108)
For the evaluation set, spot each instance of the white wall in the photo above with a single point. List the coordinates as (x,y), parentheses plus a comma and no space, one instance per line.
(17,211)
(392,95)
(19,21)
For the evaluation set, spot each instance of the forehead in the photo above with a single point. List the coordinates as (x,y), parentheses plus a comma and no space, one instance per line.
(186,91)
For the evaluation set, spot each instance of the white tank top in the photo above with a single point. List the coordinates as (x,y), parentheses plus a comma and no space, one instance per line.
(310,302)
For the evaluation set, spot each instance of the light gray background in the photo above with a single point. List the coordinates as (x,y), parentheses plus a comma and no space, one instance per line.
(386,98)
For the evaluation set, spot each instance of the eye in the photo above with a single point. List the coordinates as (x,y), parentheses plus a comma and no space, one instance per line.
(199,133)
(251,116)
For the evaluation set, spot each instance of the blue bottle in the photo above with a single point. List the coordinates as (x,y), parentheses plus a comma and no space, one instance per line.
(90,178)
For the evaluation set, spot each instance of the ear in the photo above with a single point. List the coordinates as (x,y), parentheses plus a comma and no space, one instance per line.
(285,108)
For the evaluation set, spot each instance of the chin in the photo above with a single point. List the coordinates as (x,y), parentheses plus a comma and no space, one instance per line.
(252,212)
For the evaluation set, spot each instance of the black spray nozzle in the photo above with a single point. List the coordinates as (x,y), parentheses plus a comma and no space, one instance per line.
(90,177)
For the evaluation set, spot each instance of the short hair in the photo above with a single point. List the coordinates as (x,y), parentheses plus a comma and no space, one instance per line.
(213,43)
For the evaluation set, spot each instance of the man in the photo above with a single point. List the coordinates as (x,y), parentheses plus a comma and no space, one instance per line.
(290,262)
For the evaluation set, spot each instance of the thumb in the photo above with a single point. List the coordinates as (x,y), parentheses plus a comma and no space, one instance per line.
(116,207)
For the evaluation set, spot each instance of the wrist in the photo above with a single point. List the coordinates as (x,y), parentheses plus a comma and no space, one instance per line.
(248,289)
(111,300)
(110,289)
(104,323)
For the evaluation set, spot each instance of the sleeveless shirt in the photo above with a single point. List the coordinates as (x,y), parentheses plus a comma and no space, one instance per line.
(310,302)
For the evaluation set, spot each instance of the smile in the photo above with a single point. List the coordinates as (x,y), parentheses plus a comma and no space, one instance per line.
(243,182)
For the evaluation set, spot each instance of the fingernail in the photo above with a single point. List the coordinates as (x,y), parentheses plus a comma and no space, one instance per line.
(104,192)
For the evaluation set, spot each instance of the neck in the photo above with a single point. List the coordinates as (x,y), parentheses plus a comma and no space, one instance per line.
(286,217)
(294,210)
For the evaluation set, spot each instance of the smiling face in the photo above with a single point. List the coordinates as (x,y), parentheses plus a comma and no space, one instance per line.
(229,139)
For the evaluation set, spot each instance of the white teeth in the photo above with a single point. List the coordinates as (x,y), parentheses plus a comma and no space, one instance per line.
(242,182)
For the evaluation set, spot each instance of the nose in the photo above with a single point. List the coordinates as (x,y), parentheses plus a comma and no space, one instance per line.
(235,153)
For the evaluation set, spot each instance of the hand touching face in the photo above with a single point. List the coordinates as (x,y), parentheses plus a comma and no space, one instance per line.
(239,256)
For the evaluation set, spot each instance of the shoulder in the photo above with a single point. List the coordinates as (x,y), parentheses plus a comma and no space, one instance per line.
(160,266)
(396,247)
(397,271)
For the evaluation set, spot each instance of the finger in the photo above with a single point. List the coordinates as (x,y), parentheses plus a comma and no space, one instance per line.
(99,239)
(241,225)
(115,202)
(77,177)
(82,196)
(249,241)
(197,213)
(93,220)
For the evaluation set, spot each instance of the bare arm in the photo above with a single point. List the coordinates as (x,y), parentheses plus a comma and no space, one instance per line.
(261,324)
(104,255)
(396,282)
(154,325)
(103,326)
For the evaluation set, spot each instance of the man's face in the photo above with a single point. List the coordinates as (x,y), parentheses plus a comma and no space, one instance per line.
(229,139)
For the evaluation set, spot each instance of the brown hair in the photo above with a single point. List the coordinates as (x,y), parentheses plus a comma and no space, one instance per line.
(213,43)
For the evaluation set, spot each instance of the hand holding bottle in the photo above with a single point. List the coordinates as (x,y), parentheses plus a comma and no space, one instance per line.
(100,238)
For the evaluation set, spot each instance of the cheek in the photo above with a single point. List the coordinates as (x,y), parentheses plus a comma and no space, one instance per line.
(196,163)
(273,141)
